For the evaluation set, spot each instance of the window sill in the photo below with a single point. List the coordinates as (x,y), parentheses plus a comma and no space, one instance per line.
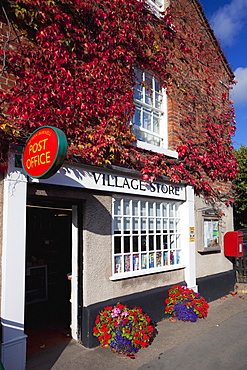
(138,273)
(156,149)
(210,250)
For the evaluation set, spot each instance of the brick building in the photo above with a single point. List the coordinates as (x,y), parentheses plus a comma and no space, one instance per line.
(116,236)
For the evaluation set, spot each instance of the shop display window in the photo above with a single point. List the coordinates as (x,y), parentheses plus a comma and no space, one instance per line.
(146,236)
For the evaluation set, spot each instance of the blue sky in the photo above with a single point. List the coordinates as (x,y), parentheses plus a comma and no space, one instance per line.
(228,19)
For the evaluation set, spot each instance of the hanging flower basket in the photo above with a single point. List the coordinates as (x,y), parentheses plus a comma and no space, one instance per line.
(185,304)
(125,330)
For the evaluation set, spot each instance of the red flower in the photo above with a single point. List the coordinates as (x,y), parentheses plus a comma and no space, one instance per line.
(119,305)
(107,336)
(108,308)
(95,330)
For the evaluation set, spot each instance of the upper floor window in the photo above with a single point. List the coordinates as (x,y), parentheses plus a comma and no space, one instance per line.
(149,118)
(157,4)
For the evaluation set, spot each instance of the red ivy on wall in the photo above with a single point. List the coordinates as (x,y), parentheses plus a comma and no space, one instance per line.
(77,74)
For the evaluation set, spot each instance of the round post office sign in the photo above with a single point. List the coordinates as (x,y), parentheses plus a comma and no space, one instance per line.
(44,152)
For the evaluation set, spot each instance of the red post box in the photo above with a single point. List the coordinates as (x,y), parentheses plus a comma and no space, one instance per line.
(234,244)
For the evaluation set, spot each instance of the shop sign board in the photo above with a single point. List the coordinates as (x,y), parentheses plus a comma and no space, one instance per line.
(44,152)
(83,177)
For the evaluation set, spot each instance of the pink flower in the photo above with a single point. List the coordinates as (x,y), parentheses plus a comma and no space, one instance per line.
(115,312)
(125,313)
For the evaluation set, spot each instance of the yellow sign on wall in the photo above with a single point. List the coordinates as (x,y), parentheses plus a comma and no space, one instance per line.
(192,234)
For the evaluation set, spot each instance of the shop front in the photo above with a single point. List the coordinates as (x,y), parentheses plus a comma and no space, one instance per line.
(85,237)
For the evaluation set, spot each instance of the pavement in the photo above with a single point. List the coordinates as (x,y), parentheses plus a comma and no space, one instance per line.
(218,342)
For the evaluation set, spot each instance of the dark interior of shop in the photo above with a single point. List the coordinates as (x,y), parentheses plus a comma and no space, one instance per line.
(48,269)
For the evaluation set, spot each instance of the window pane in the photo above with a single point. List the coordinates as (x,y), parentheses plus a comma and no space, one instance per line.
(156,85)
(158,205)
(117,265)
(117,244)
(117,207)
(117,224)
(126,223)
(158,224)
(144,244)
(172,210)
(158,242)
(127,263)
(126,207)
(150,209)
(137,117)
(148,89)
(164,208)
(165,245)
(144,224)
(144,261)
(166,258)
(135,208)
(126,244)
(143,208)
(156,123)
(158,259)
(171,226)
(135,224)
(147,119)
(135,243)
(172,242)
(165,225)
(151,224)
(151,260)
(172,260)
(138,89)
(136,262)
(158,100)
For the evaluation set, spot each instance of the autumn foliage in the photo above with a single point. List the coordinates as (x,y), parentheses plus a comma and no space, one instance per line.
(74,69)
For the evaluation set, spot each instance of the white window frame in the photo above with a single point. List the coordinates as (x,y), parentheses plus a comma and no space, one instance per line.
(157,4)
(143,241)
(153,103)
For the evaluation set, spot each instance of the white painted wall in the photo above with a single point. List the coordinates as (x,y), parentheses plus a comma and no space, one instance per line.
(13,353)
(189,256)
(212,263)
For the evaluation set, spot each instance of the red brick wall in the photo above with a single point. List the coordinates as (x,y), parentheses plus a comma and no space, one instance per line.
(178,107)
(191,78)
(8,40)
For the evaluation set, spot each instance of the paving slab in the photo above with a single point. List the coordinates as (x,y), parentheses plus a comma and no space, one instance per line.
(215,343)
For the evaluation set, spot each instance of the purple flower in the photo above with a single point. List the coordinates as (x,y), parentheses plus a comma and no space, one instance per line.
(182,312)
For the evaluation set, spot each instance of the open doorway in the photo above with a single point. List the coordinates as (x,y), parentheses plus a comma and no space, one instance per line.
(48,269)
